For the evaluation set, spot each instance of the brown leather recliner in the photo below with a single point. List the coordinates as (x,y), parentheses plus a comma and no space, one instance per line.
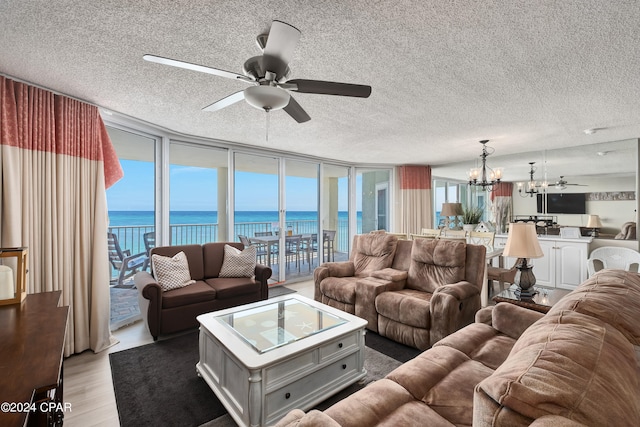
(176,310)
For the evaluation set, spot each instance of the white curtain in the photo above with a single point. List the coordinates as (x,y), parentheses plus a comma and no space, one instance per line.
(415,209)
(56,161)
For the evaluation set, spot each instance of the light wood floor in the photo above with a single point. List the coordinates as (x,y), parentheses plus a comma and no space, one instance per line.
(88,385)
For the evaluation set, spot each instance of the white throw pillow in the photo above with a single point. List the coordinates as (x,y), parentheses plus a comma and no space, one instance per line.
(171,272)
(238,263)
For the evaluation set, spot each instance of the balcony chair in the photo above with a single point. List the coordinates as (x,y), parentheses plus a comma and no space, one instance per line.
(328,242)
(294,248)
(261,253)
(613,257)
(149,243)
(122,261)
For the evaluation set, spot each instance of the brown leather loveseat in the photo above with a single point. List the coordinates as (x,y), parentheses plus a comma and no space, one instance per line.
(415,292)
(175,310)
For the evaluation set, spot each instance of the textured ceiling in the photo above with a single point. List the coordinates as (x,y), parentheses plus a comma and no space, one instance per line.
(527,75)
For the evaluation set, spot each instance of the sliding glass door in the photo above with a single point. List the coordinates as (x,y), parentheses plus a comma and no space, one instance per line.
(197,193)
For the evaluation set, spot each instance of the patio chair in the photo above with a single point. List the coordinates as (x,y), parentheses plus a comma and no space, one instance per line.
(328,241)
(294,248)
(149,243)
(261,253)
(123,262)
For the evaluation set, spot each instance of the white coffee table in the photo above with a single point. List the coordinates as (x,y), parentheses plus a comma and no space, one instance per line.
(265,358)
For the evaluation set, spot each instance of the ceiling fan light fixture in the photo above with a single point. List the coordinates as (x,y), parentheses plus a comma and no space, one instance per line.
(267,98)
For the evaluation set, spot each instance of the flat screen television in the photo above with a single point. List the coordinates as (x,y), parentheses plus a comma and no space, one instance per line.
(564,203)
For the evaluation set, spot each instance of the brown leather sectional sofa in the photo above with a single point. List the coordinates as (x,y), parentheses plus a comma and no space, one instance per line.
(577,365)
(176,310)
(412,291)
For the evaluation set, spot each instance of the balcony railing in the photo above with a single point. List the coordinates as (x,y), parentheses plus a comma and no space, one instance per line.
(131,236)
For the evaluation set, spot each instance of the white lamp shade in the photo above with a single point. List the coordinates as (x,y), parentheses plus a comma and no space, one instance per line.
(594,222)
(522,241)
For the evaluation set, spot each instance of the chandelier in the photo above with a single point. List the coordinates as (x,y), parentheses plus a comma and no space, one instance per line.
(532,185)
(485,177)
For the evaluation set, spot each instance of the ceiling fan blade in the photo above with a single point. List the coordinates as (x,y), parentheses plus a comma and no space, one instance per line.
(295,110)
(225,102)
(195,67)
(328,88)
(282,41)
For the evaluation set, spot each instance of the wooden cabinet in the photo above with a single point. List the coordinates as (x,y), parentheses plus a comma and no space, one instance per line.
(32,334)
(564,264)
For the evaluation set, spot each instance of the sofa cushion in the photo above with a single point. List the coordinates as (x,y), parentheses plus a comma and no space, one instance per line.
(171,272)
(238,263)
(213,256)
(600,297)
(230,287)
(444,379)
(198,292)
(407,306)
(565,364)
(436,263)
(194,257)
(374,252)
(384,403)
(341,289)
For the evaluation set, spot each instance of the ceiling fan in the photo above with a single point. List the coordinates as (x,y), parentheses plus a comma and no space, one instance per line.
(268,76)
(562,184)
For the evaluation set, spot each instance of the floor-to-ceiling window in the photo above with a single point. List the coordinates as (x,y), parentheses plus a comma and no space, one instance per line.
(131,203)
(301,217)
(373,199)
(197,193)
(335,210)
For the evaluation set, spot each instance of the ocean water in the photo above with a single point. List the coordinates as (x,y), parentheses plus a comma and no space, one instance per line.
(124,218)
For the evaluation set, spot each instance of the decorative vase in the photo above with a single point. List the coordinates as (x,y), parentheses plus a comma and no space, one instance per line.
(469,227)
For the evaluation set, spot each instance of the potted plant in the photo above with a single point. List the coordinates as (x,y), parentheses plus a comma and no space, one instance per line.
(471,217)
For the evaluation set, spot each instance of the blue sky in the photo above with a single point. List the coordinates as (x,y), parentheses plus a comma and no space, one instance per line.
(195,189)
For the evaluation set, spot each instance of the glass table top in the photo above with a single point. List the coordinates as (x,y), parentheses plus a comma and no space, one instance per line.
(274,325)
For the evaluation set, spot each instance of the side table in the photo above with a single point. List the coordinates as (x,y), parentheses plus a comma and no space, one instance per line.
(542,301)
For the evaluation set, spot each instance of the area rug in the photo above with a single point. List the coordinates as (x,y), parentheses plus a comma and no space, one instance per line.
(157,384)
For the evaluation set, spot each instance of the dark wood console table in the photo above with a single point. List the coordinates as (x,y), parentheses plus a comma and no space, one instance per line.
(32,336)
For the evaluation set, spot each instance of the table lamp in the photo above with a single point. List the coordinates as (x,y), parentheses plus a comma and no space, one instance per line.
(451,209)
(522,243)
(594,222)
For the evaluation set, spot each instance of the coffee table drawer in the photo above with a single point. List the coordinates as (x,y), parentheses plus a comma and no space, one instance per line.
(315,384)
(345,344)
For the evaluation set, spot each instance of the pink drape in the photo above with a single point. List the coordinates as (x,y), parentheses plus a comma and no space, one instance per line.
(414,199)
(501,205)
(56,161)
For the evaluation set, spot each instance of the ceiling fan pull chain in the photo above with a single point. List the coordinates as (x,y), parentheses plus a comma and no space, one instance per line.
(267,130)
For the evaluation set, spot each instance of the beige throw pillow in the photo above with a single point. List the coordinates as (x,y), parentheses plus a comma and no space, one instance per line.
(171,272)
(238,263)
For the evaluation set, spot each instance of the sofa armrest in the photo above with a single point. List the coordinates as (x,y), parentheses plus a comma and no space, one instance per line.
(367,290)
(512,320)
(452,307)
(484,315)
(263,273)
(391,275)
(149,300)
(331,269)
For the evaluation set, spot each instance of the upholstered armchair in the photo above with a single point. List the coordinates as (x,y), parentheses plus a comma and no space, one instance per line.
(441,293)
(335,282)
